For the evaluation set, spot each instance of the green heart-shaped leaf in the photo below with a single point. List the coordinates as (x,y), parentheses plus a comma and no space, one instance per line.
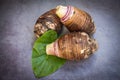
(43,64)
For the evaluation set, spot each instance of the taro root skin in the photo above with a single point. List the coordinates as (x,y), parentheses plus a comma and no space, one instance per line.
(75,19)
(73,46)
(47,21)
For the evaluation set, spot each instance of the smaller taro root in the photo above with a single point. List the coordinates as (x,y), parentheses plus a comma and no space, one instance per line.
(47,21)
(73,46)
(75,19)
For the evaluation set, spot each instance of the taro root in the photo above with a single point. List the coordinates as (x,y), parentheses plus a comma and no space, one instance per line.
(72,46)
(47,21)
(75,19)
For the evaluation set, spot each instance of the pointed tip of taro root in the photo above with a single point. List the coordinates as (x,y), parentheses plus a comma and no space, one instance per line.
(94,46)
(61,11)
(50,49)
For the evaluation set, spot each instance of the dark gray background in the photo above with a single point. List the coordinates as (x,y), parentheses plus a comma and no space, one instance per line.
(17,18)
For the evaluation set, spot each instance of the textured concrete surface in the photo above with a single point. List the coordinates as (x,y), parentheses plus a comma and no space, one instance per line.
(17,18)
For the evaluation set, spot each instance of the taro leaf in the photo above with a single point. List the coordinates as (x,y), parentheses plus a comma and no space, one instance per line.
(43,64)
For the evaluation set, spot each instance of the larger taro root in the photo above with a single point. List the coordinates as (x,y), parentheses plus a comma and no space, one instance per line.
(47,21)
(75,19)
(72,46)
